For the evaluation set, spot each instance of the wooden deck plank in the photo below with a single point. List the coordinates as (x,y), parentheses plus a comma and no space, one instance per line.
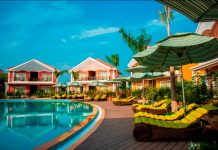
(115,132)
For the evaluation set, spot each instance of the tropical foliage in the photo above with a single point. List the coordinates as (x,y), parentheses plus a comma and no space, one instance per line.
(136,44)
(113,59)
(166,16)
(59,73)
(75,75)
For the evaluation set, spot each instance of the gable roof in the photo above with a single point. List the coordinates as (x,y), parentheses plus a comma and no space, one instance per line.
(32,65)
(132,63)
(101,61)
(88,61)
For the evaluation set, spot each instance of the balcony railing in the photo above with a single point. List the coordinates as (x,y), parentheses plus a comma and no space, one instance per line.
(32,79)
(92,78)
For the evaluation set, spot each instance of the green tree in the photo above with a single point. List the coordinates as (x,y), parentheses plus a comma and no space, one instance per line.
(166,16)
(75,75)
(136,44)
(113,59)
(59,73)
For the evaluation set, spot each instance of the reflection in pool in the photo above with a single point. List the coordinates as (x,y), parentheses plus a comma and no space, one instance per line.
(28,124)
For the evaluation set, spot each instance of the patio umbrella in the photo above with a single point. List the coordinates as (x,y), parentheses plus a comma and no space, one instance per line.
(124,79)
(57,85)
(196,10)
(97,83)
(144,75)
(60,85)
(75,84)
(178,50)
(112,82)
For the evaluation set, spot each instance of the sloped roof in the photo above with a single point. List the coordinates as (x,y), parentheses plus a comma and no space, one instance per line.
(32,65)
(92,64)
(101,61)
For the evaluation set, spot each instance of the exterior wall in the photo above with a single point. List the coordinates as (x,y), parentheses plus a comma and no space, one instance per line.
(187,73)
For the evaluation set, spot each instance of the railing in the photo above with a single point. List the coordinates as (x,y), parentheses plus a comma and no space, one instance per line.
(32,79)
(92,78)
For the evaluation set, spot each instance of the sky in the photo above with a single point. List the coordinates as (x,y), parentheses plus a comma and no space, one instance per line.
(64,33)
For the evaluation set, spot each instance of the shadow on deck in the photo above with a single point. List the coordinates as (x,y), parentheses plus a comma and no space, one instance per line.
(115,132)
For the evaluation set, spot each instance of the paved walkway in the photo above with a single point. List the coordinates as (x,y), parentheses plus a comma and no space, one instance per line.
(115,132)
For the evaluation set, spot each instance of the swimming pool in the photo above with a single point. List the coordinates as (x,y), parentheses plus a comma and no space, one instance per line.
(27,124)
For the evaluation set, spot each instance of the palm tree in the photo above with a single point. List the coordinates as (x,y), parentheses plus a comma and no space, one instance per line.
(75,75)
(136,44)
(59,73)
(113,59)
(165,17)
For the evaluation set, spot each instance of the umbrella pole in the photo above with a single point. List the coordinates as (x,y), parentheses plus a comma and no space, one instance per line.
(152,88)
(143,91)
(183,91)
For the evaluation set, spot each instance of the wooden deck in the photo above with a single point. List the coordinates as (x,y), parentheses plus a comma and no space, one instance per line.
(115,132)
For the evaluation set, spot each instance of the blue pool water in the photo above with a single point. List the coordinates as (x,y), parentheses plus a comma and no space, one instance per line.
(26,124)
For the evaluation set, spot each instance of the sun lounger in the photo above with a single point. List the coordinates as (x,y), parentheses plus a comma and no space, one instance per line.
(180,113)
(156,104)
(189,128)
(163,108)
(127,101)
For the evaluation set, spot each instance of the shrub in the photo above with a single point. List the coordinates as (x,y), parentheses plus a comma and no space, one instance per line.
(163,93)
(194,93)
(137,93)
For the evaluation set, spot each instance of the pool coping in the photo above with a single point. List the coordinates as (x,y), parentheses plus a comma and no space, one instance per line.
(92,130)
(75,129)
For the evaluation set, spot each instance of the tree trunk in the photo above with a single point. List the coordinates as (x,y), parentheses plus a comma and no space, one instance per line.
(173,90)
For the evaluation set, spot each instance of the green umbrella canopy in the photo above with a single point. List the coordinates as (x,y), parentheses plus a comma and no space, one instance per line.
(196,10)
(141,68)
(123,79)
(97,83)
(148,75)
(75,84)
(59,85)
(112,82)
(189,47)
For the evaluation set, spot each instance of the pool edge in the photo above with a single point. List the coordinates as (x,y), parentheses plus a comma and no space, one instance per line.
(54,142)
(92,130)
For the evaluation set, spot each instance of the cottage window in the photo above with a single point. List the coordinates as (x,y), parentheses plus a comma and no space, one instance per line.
(102,75)
(165,83)
(20,76)
(46,77)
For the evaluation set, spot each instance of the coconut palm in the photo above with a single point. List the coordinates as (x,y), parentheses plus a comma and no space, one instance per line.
(75,75)
(113,59)
(59,73)
(166,16)
(136,44)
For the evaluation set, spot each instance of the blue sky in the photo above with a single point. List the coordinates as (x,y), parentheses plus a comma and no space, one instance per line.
(64,33)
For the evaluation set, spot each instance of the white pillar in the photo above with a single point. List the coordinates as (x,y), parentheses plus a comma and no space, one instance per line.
(68,89)
(52,77)
(6,88)
(108,75)
(13,76)
(114,75)
(127,84)
(114,87)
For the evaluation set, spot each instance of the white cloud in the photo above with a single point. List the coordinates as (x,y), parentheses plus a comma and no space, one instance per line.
(103,42)
(154,22)
(63,41)
(95,32)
